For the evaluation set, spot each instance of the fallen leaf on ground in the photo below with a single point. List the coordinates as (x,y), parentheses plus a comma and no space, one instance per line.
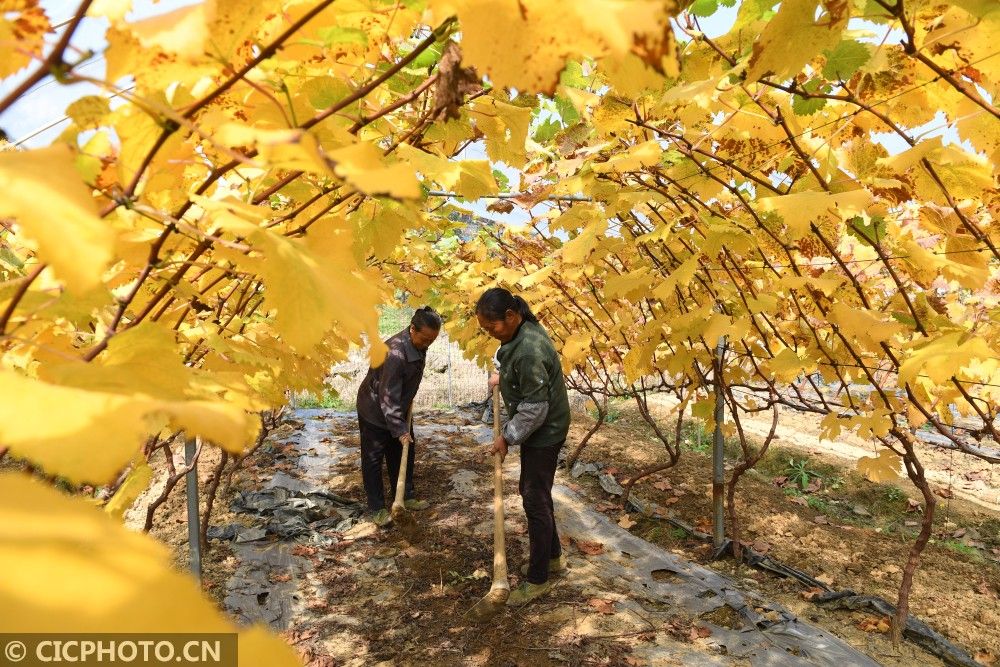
(799,500)
(912,505)
(761,546)
(874,624)
(943,492)
(822,520)
(700,632)
(703,524)
(590,548)
(825,579)
(984,656)
(671,500)
(625,522)
(811,593)
(601,605)
(663,485)
(280,578)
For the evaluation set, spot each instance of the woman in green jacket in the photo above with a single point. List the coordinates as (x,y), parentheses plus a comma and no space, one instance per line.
(534,393)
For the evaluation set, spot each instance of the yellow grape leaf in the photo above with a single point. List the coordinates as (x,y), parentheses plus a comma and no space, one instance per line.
(380,227)
(800,209)
(310,284)
(113,10)
(630,285)
(68,233)
(575,348)
(915,417)
(864,325)
(505,127)
(142,360)
(182,32)
(576,250)
(549,33)
(681,275)
(135,483)
(288,149)
(98,432)
(641,155)
(629,76)
(794,36)
(22,34)
(786,365)
(538,277)
(944,356)
(362,166)
(354,294)
(232,24)
(638,361)
(64,551)
(433,167)
(476,179)
(883,468)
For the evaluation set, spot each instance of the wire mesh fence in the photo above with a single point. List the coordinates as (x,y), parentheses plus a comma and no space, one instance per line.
(449,378)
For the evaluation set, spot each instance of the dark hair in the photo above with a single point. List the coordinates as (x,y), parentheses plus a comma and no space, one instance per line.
(496,301)
(426,318)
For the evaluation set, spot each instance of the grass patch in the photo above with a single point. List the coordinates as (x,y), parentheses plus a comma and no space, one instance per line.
(971,553)
(327,400)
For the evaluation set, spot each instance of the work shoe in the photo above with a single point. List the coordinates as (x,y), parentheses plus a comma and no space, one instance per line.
(381,518)
(415,505)
(557,565)
(527,592)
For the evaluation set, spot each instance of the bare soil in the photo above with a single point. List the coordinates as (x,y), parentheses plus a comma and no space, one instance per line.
(842,528)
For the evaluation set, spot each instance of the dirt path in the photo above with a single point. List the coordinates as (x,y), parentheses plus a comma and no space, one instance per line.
(347,593)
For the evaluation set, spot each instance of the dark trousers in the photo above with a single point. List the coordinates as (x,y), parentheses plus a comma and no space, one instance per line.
(377,444)
(538,469)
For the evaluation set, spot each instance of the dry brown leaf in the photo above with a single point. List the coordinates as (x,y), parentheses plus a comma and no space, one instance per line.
(626,522)
(700,632)
(501,206)
(874,624)
(602,606)
(590,548)
(984,656)
(811,593)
